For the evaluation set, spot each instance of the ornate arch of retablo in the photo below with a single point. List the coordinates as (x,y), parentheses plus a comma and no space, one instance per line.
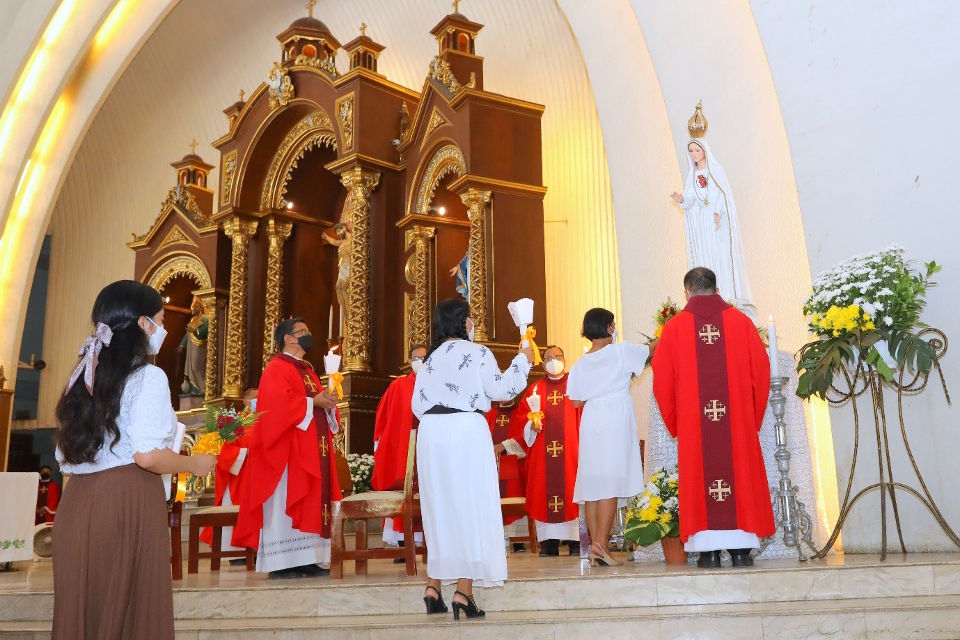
(313,130)
(178,264)
(447,159)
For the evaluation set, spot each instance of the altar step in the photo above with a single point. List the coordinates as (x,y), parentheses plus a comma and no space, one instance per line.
(843,597)
(927,617)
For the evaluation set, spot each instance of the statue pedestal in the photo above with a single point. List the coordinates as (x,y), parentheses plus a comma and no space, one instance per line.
(186,403)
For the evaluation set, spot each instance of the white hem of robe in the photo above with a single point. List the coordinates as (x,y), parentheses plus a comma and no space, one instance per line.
(393,537)
(717,539)
(569,530)
(282,546)
(516,529)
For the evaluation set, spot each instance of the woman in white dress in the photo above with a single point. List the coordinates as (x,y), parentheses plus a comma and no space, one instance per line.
(711,225)
(456,466)
(111,573)
(609,462)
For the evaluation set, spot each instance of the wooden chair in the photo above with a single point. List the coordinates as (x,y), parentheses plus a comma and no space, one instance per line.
(217,518)
(174,519)
(518,507)
(373,505)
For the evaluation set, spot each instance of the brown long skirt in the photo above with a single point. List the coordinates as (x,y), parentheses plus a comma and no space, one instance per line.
(111,558)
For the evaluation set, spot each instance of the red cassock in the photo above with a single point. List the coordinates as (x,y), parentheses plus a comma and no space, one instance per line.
(48,498)
(277,444)
(391,430)
(552,460)
(512,471)
(711,377)
(224,479)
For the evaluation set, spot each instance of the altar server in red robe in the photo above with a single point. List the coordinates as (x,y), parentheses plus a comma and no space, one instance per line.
(391,440)
(290,477)
(511,466)
(227,480)
(711,378)
(552,452)
(48,496)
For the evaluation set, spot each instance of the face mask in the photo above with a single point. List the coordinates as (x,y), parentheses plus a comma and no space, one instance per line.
(156,338)
(44,476)
(305,342)
(614,335)
(554,367)
(416,364)
(253,405)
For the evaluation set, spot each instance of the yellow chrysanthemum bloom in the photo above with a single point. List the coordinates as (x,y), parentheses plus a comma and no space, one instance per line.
(655,502)
(666,517)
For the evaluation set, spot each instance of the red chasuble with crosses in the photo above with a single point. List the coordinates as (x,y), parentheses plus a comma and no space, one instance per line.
(277,444)
(552,460)
(711,379)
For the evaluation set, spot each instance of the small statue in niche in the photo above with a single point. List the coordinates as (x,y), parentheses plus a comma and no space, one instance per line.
(194,346)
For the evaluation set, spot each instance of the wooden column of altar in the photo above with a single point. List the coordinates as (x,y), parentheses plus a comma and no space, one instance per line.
(277,232)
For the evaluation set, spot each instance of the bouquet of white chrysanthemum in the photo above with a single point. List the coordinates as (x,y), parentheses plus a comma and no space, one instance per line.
(361,471)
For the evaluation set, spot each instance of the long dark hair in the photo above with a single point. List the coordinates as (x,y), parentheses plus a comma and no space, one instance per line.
(86,421)
(449,321)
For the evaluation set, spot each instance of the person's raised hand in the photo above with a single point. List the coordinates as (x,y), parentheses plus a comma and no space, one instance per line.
(677,197)
(528,352)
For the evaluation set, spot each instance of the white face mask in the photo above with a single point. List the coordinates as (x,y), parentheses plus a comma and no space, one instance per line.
(614,335)
(416,364)
(156,338)
(470,331)
(253,405)
(554,367)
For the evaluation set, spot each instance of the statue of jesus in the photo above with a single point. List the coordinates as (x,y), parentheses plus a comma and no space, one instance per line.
(710,219)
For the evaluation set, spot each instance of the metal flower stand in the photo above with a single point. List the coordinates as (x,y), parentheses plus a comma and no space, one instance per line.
(790,513)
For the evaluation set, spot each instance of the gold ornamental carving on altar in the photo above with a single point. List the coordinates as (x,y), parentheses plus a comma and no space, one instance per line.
(357,348)
(227,177)
(178,264)
(476,202)
(448,159)
(239,231)
(311,131)
(417,274)
(344,111)
(277,234)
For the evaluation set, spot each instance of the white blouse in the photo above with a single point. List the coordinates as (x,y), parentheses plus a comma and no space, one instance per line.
(146,422)
(465,376)
(606,372)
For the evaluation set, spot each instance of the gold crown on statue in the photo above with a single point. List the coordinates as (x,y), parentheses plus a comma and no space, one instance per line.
(697,124)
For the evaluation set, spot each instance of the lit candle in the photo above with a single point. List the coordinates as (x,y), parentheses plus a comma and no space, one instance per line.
(341,323)
(774,353)
(330,324)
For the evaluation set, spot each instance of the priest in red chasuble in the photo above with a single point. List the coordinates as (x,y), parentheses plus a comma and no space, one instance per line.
(711,378)
(552,448)
(290,474)
(391,439)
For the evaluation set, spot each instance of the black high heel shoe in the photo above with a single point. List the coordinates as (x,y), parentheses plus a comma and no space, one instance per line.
(470,608)
(434,605)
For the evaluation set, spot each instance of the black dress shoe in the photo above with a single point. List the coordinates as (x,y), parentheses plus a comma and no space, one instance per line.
(312,570)
(709,560)
(237,562)
(741,557)
(549,548)
(573,547)
(285,574)
(518,547)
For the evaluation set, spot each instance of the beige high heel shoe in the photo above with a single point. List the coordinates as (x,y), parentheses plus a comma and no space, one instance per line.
(602,559)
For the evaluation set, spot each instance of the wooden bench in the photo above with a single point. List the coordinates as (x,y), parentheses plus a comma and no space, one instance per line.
(518,507)
(217,518)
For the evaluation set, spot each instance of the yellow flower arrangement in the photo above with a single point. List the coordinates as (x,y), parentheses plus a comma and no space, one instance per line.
(838,320)
(654,514)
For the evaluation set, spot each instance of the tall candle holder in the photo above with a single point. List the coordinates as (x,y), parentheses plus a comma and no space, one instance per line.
(790,513)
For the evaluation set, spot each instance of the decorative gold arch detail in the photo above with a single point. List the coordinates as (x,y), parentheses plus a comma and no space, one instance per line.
(447,159)
(179,264)
(311,131)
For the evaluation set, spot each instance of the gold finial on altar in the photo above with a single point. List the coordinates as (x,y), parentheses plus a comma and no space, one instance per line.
(697,124)
(242,94)
(310,5)
(363,28)
(193,146)
(456,6)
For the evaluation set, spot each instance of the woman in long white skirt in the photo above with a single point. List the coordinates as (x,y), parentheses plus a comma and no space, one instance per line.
(457,469)
(609,465)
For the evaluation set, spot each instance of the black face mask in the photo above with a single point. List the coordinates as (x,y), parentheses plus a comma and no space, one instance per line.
(44,476)
(305,342)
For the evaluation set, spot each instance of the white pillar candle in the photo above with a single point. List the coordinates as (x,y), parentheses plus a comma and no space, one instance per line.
(774,352)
